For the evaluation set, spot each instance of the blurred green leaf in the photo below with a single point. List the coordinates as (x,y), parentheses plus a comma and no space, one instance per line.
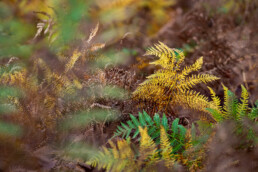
(114,92)
(70,13)
(85,118)
(7,108)
(9,91)
(8,129)
(80,150)
(111,58)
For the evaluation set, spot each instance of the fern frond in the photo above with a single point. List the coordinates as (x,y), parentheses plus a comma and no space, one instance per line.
(232,109)
(166,149)
(167,55)
(216,100)
(72,60)
(114,159)
(194,67)
(227,103)
(193,100)
(196,79)
(169,86)
(242,107)
(253,114)
(148,148)
(15,77)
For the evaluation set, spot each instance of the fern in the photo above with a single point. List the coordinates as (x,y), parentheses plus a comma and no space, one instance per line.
(166,149)
(171,85)
(131,128)
(123,158)
(148,154)
(232,108)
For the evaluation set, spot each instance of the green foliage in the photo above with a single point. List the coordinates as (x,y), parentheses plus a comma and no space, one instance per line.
(176,132)
(232,108)
(123,158)
(236,111)
(149,152)
(82,119)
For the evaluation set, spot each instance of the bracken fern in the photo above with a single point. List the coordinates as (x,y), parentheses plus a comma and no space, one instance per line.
(171,86)
(232,108)
(176,132)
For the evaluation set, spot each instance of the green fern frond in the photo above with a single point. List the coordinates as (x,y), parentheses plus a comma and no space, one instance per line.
(253,114)
(121,157)
(131,128)
(232,108)
(149,153)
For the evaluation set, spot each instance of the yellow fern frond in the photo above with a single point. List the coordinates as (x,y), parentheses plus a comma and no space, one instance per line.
(196,79)
(109,4)
(166,149)
(114,149)
(192,99)
(216,100)
(16,76)
(47,71)
(171,86)
(188,69)
(226,108)
(242,107)
(167,56)
(72,60)
(116,158)
(148,148)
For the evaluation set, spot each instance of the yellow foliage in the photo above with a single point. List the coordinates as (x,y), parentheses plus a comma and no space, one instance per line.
(72,60)
(166,149)
(232,109)
(170,85)
(123,158)
(148,148)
